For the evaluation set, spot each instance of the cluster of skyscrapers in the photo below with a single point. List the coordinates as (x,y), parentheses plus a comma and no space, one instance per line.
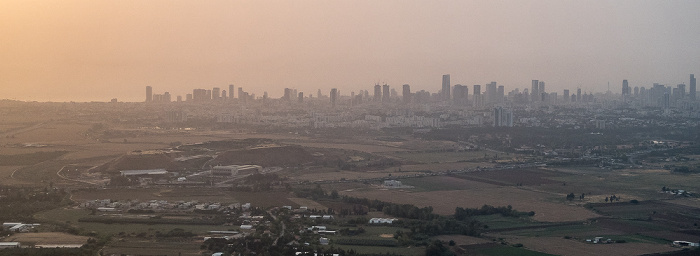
(457,95)
(201,95)
(659,95)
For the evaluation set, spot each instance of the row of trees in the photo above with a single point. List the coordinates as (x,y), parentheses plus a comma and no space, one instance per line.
(505,211)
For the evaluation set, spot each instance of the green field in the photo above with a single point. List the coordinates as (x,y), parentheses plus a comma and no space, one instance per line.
(557,231)
(507,250)
(496,221)
(408,251)
(637,239)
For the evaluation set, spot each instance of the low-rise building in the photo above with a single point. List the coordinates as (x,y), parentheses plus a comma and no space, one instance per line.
(381,221)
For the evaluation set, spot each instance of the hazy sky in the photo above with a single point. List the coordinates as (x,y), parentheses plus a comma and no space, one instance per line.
(97,50)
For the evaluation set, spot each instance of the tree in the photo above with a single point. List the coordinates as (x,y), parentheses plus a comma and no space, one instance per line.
(436,248)
(570,196)
(334,194)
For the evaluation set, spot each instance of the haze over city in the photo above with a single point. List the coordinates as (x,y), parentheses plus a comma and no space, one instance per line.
(98,50)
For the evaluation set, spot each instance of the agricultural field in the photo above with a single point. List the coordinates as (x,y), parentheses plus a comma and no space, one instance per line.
(180,247)
(445,201)
(559,226)
(562,246)
(408,251)
(444,183)
(71,217)
(46,238)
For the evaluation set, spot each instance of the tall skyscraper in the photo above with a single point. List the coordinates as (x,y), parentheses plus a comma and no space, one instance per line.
(216,93)
(692,87)
(386,94)
(578,94)
(406,93)
(501,93)
(566,95)
(477,95)
(334,96)
(446,87)
(199,95)
(149,93)
(301,97)
(377,93)
(230,92)
(625,88)
(492,93)
(460,95)
(287,94)
(535,91)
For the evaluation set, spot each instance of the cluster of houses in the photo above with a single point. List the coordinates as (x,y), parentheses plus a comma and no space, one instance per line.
(108,205)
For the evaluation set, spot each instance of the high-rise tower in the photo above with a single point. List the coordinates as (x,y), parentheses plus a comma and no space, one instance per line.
(377,93)
(534,91)
(446,87)
(386,93)
(149,93)
(334,96)
(692,87)
(625,88)
(406,93)
(477,95)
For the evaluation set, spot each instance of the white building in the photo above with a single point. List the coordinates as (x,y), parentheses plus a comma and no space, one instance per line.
(4,245)
(381,221)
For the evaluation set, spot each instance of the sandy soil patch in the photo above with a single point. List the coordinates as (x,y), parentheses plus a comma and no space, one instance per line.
(47,238)
(692,202)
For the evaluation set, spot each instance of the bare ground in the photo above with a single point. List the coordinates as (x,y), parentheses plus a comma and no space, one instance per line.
(561,246)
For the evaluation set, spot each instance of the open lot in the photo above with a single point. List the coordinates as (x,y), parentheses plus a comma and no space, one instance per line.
(561,246)
(180,247)
(525,177)
(442,183)
(46,238)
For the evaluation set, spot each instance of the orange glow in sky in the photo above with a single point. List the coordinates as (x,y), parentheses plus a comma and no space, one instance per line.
(97,50)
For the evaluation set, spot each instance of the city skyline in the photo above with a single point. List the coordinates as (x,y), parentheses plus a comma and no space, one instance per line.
(95,51)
